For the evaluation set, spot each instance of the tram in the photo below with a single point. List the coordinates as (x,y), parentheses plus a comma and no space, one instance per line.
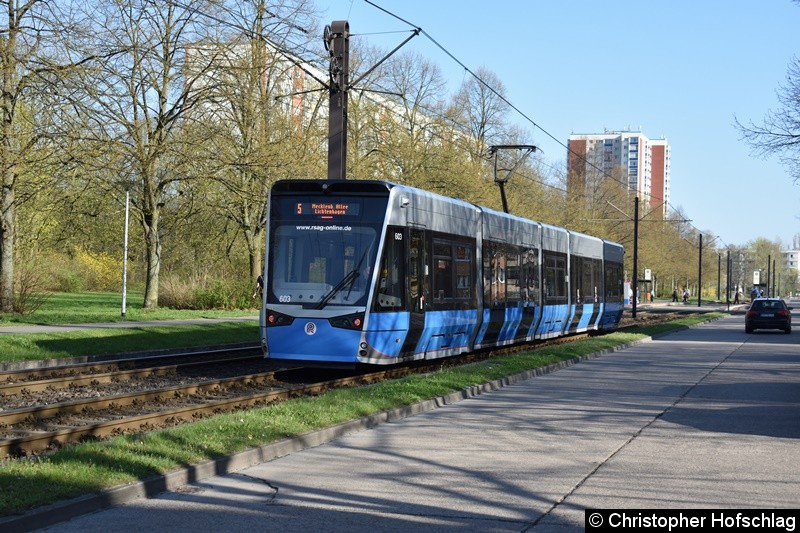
(379,273)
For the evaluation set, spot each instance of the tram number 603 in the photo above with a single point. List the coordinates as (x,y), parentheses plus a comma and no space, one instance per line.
(398,236)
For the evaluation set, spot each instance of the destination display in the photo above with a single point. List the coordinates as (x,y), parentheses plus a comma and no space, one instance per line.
(328,209)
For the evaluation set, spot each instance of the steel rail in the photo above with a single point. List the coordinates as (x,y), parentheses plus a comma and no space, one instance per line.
(39,441)
(112,365)
(16,416)
(64,382)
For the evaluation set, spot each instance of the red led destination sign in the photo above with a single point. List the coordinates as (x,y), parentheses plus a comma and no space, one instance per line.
(327,209)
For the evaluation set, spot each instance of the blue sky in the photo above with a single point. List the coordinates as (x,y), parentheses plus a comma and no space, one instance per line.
(683,70)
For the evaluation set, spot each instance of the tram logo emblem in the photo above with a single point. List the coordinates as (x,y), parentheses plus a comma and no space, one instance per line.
(311,328)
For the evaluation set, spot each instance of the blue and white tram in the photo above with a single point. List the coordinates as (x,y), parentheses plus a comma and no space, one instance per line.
(613,255)
(379,273)
(585,269)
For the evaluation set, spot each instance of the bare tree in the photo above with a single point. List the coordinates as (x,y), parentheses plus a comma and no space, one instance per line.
(480,100)
(364,158)
(260,112)
(409,126)
(779,133)
(32,59)
(142,97)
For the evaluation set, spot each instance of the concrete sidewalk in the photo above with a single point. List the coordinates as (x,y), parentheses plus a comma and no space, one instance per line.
(702,418)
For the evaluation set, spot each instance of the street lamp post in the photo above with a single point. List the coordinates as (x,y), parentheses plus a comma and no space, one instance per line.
(635,256)
(769,272)
(125,256)
(774,279)
(700,273)
(728,280)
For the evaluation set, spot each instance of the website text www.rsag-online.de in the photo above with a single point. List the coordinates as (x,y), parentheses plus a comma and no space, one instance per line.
(323,228)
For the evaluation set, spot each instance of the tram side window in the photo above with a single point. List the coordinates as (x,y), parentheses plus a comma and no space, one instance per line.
(576,277)
(494,274)
(555,278)
(585,277)
(453,274)
(442,270)
(529,280)
(513,292)
(463,256)
(390,294)
(613,282)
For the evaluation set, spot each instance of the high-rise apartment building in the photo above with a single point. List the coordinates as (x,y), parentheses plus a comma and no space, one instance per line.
(627,156)
(791,257)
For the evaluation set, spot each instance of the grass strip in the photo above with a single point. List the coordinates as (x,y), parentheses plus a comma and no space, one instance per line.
(91,467)
(94,307)
(35,346)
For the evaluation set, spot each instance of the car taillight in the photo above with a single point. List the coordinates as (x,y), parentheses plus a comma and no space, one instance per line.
(274,318)
(752,313)
(354,321)
(782,312)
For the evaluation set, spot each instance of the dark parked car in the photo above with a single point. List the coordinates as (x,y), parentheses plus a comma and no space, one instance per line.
(768,313)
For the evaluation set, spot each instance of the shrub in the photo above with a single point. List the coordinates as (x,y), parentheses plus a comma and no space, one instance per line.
(224,295)
(30,294)
(68,280)
(102,271)
(204,293)
(176,293)
(83,270)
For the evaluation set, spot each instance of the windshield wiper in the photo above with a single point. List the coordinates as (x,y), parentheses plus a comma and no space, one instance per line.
(348,278)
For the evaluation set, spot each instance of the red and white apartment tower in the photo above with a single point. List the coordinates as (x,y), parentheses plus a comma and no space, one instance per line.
(627,156)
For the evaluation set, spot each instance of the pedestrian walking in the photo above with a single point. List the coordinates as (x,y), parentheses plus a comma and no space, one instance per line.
(259,289)
(674,295)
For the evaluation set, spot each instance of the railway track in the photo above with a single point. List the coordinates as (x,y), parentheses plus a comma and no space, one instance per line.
(25,383)
(45,409)
(38,428)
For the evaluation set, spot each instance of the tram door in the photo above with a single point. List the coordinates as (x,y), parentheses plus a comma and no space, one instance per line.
(417,294)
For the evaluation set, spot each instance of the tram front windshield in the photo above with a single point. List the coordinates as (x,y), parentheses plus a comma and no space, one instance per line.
(323,250)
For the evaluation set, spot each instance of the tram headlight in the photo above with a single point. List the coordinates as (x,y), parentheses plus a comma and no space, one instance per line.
(354,321)
(274,318)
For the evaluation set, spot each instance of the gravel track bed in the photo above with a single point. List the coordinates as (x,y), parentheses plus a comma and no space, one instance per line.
(102,390)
